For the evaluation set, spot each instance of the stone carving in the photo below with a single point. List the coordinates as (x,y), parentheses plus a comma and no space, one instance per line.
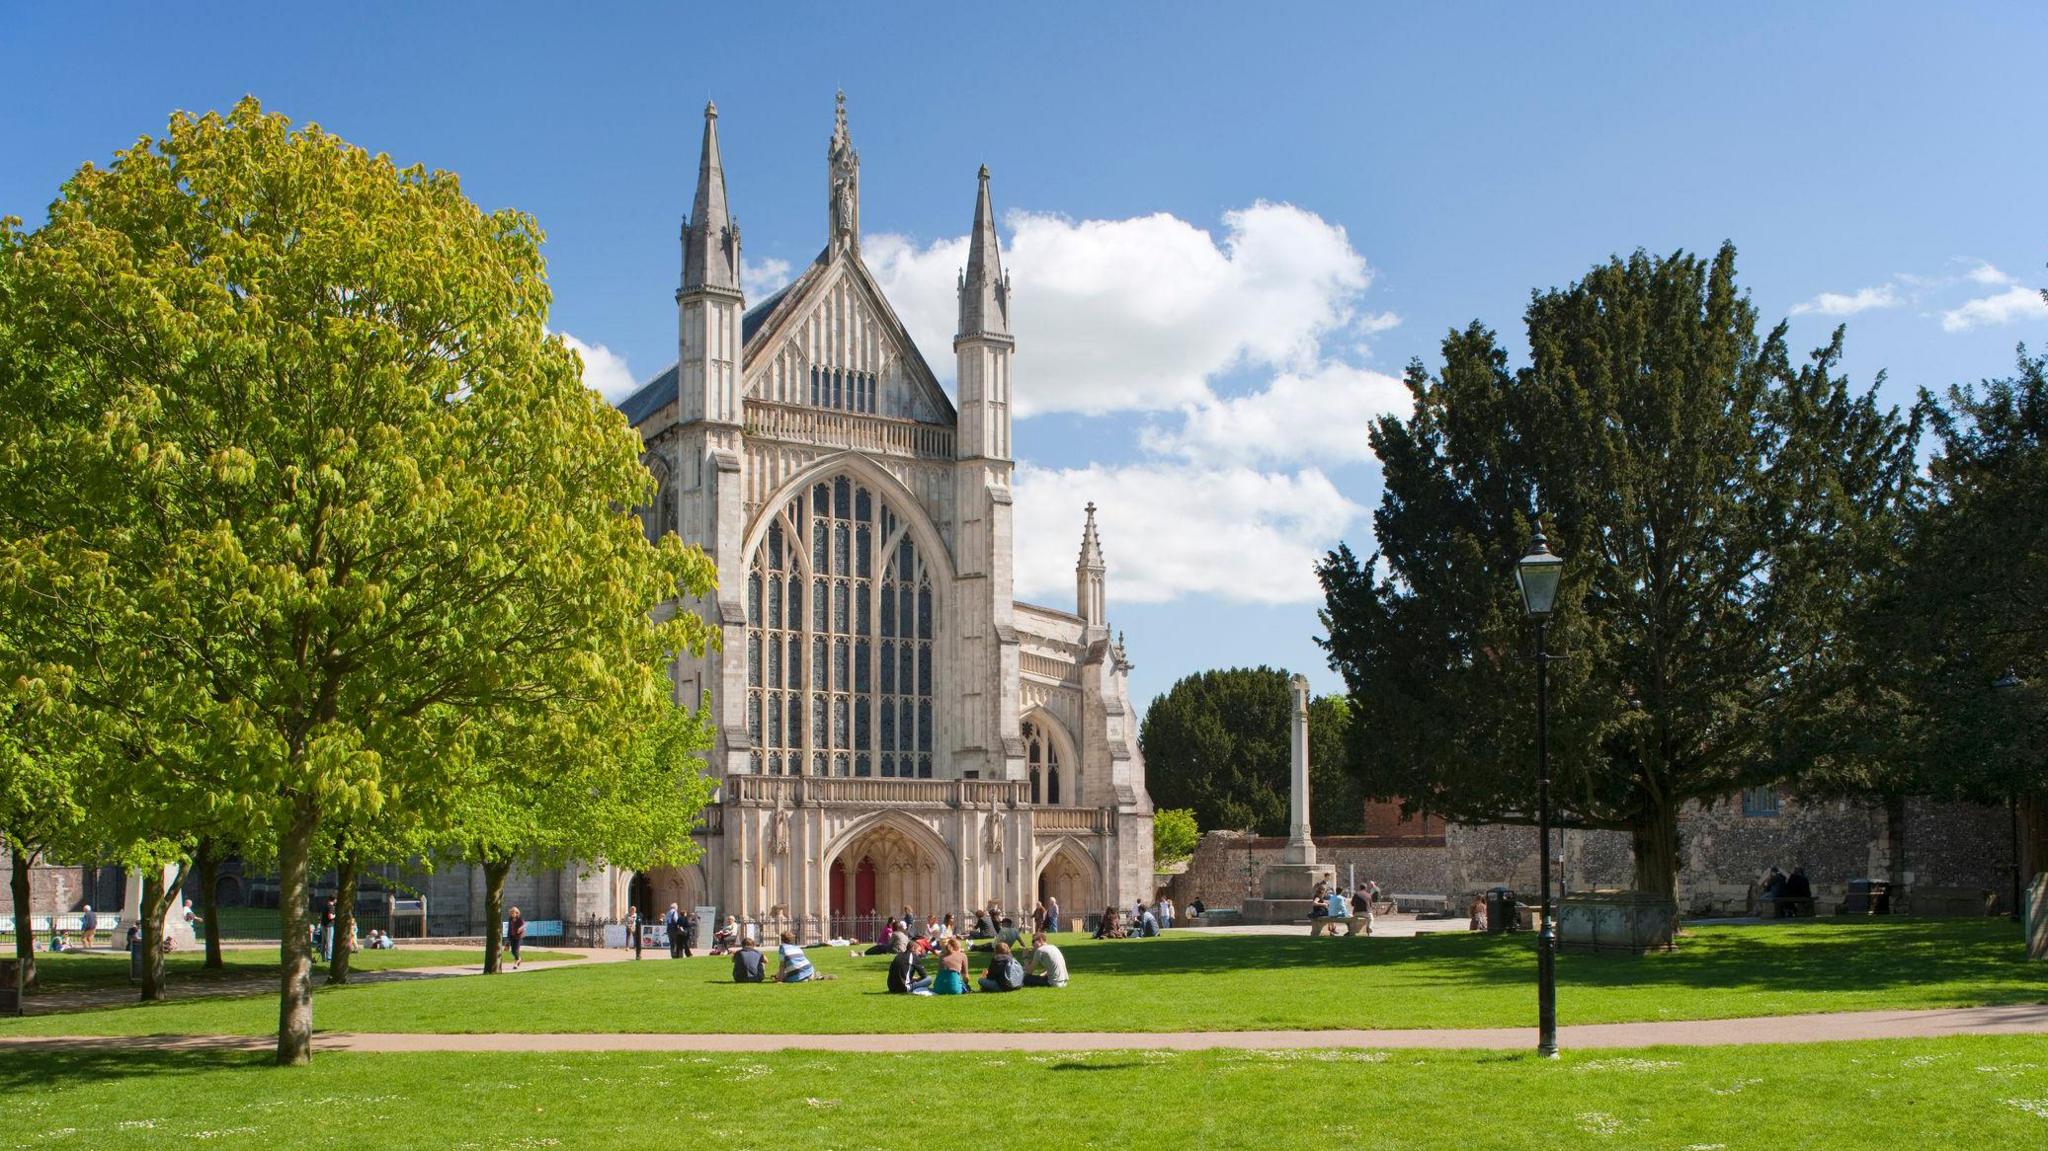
(995,832)
(780,840)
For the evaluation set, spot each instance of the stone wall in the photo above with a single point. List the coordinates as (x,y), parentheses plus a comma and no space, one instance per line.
(62,889)
(1724,851)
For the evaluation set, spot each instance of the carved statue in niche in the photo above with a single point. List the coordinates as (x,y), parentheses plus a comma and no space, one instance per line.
(780,837)
(995,832)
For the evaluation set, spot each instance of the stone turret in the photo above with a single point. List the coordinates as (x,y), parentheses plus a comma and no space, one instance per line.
(1090,595)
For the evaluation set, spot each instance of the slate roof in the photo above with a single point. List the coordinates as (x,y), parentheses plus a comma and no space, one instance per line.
(659,391)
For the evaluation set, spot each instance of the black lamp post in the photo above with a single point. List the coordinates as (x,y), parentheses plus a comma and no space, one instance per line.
(2010,684)
(1538,574)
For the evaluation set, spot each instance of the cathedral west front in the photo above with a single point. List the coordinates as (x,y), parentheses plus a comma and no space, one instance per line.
(894,729)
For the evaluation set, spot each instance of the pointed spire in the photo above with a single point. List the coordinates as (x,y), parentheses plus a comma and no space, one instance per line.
(1090,601)
(711,244)
(984,292)
(1091,544)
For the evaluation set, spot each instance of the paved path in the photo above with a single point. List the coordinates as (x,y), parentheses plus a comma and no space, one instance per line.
(2031,1019)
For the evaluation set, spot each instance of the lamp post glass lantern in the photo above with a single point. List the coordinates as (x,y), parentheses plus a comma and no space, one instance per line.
(1538,575)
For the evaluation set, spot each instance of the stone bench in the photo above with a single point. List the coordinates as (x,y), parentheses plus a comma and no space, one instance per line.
(1410,901)
(1353,925)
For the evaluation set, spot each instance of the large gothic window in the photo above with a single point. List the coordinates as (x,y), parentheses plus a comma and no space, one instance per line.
(1044,757)
(839,640)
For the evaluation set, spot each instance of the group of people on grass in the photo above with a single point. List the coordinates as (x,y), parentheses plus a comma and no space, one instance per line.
(1146,920)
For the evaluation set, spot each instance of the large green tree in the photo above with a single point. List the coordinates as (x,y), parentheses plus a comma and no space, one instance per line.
(1218,743)
(360,506)
(1719,509)
(1966,603)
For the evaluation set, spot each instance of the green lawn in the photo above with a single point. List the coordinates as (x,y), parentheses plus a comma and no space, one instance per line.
(71,970)
(1192,982)
(1958,1092)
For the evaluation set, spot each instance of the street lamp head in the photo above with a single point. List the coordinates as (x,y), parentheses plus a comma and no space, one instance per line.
(2010,681)
(1538,574)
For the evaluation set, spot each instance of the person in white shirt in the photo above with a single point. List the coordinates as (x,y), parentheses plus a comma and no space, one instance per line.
(1048,966)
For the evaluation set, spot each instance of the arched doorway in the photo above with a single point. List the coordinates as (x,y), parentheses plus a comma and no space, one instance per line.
(682,886)
(889,865)
(1067,874)
(640,894)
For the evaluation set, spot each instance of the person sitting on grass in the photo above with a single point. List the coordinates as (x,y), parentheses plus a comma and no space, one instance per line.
(885,942)
(984,927)
(1048,966)
(747,966)
(1110,926)
(1148,924)
(906,974)
(794,965)
(952,977)
(1004,972)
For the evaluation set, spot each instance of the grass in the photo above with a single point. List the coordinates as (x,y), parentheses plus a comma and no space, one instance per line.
(72,970)
(1956,1092)
(1187,982)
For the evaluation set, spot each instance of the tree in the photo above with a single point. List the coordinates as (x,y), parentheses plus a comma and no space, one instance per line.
(355,502)
(1719,510)
(583,786)
(1219,744)
(1174,835)
(1967,601)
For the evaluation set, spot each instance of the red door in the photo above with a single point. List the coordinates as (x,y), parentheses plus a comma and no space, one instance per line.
(838,896)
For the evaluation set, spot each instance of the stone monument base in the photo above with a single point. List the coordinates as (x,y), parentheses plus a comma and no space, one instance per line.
(1287,892)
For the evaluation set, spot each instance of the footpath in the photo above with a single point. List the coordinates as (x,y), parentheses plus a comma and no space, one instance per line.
(2024,1019)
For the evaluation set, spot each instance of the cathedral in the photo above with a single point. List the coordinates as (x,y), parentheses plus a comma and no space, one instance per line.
(894,729)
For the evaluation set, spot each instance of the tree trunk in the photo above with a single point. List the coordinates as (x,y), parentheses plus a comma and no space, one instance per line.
(159,892)
(295,995)
(495,871)
(209,900)
(1654,837)
(24,934)
(344,919)
(2033,836)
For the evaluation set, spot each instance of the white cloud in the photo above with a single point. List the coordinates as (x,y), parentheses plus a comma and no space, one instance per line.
(1375,323)
(1171,529)
(1140,314)
(763,279)
(2013,304)
(1861,300)
(1984,273)
(1319,414)
(604,371)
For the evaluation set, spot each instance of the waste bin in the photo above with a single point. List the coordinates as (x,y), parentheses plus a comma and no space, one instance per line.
(1868,897)
(1501,911)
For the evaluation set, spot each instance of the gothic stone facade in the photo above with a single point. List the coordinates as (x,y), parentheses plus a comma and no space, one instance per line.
(894,729)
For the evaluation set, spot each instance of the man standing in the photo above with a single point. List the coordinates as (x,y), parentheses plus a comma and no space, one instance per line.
(327,932)
(633,925)
(689,932)
(1052,913)
(88,929)
(672,923)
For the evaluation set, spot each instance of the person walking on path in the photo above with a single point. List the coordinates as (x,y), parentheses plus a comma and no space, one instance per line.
(89,929)
(1052,913)
(515,935)
(633,925)
(689,933)
(327,932)
(672,926)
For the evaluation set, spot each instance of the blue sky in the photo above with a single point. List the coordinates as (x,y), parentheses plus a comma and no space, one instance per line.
(1229,224)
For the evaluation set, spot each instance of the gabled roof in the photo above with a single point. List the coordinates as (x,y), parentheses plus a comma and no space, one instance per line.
(778,309)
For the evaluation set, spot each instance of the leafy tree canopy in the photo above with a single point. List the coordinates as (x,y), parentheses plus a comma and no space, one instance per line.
(1719,509)
(1218,744)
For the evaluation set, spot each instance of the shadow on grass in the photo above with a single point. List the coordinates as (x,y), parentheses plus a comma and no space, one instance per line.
(44,1067)
(1984,956)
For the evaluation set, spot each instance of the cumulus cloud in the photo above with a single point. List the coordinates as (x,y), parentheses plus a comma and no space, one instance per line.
(1984,273)
(763,279)
(1319,414)
(1861,300)
(1141,314)
(604,371)
(1171,529)
(2014,304)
